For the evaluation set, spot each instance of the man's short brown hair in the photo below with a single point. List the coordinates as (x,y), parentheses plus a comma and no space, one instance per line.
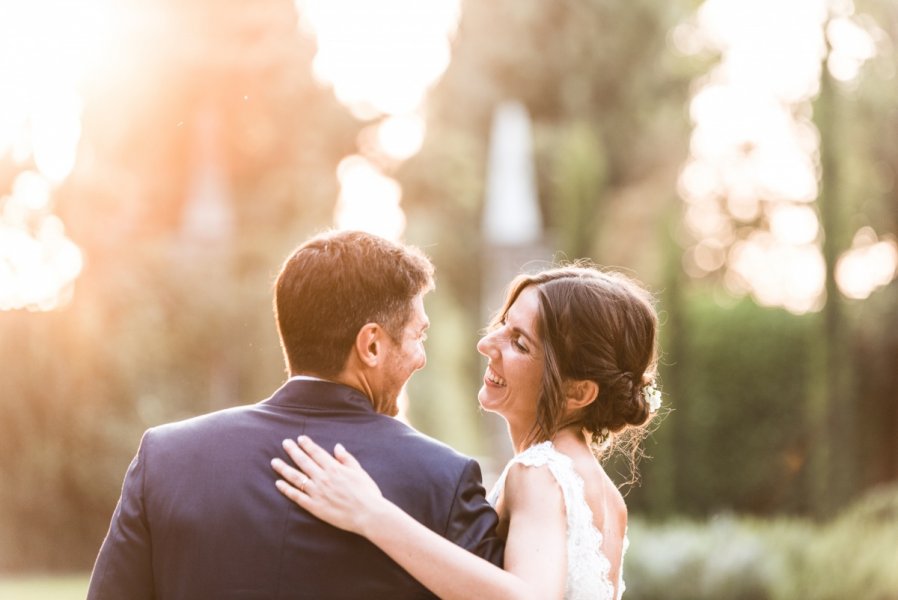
(335,283)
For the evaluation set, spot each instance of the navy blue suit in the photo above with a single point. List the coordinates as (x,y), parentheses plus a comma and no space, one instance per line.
(199,516)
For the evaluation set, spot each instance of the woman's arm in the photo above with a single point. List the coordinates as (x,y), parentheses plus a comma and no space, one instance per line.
(339,491)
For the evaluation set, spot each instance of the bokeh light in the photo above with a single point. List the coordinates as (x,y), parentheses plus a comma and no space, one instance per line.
(47,46)
(368,199)
(401,137)
(381,58)
(869,264)
(752,175)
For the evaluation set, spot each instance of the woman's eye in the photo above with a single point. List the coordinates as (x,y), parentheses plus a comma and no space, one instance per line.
(518,345)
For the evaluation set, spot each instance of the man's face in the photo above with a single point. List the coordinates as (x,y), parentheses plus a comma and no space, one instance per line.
(402,358)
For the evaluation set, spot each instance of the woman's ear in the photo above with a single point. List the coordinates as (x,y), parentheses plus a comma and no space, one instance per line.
(368,344)
(580,393)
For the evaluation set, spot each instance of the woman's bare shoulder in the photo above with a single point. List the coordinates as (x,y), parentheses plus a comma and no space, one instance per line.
(532,488)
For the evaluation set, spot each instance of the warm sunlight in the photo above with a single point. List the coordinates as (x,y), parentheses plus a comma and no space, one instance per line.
(368,199)
(381,58)
(50,43)
(400,137)
(752,176)
(869,264)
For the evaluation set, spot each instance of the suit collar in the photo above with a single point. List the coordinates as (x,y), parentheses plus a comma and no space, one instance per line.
(320,395)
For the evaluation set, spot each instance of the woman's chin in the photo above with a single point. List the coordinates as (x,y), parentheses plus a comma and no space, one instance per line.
(486,402)
(483,398)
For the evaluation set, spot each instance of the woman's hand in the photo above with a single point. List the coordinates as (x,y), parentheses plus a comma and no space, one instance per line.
(336,489)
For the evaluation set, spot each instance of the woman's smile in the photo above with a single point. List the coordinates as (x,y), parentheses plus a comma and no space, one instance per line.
(511,382)
(493,378)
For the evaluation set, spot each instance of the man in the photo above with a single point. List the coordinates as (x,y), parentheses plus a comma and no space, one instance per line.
(200,517)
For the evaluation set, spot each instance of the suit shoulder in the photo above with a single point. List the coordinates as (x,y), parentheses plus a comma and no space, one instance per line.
(420,447)
(192,426)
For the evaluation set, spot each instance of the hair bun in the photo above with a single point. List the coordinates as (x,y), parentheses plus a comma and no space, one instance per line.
(628,404)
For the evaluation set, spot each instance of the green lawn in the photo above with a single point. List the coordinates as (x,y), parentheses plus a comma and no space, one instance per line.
(48,587)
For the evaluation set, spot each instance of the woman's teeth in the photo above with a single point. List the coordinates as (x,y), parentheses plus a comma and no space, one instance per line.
(492,377)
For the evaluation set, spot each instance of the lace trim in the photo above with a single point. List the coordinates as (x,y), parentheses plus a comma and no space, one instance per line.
(584,541)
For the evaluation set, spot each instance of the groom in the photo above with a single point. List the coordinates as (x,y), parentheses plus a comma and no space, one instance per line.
(199,516)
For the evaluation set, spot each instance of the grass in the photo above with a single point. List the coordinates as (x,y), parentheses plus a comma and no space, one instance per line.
(44,587)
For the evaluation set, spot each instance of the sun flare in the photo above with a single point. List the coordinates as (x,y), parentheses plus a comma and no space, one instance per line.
(48,45)
(380,58)
(752,175)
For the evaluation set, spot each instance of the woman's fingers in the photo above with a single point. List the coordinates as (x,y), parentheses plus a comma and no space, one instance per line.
(336,490)
(299,456)
(314,466)
(316,452)
(291,475)
(292,493)
(343,455)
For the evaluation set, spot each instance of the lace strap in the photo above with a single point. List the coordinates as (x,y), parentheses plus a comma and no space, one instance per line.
(588,568)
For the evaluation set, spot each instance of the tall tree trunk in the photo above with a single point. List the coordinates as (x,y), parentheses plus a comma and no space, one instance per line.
(834,414)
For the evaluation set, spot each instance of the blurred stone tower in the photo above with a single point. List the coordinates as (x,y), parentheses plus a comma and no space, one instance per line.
(512,228)
(207,220)
(206,242)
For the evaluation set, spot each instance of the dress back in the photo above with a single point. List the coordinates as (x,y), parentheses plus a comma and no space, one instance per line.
(588,568)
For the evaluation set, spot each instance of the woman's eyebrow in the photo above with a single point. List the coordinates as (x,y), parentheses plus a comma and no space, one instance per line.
(523,333)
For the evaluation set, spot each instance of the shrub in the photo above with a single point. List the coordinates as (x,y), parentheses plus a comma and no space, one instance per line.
(745,558)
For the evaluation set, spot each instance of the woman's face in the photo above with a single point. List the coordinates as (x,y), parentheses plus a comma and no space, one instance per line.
(511,383)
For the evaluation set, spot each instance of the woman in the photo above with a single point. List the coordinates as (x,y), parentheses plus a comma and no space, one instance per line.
(571,364)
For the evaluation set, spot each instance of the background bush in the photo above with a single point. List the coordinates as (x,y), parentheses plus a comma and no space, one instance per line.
(852,556)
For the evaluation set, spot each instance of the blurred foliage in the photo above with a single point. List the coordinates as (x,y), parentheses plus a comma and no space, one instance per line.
(163,325)
(44,587)
(739,437)
(142,345)
(744,558)
(742,381)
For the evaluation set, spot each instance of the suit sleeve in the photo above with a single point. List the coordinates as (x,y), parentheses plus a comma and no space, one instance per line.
(472,521)
(124,566)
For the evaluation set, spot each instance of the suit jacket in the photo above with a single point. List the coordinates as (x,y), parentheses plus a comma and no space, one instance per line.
(199,516)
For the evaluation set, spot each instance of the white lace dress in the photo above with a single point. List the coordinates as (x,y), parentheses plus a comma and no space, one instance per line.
(588,569)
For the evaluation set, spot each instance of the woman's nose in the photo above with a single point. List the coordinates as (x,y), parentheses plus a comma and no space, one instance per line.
(486,346)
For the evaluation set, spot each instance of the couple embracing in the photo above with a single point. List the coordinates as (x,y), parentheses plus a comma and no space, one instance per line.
(392,513)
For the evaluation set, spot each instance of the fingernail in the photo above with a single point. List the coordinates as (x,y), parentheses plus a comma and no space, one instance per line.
(302,439)
(286,443)
(339,447)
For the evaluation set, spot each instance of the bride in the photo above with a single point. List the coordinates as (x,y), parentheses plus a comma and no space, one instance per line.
(571,363)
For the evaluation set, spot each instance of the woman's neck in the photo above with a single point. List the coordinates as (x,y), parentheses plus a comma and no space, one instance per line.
(570,437)
(521,438)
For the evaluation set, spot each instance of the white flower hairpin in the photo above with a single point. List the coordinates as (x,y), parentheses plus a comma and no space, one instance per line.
(652,395)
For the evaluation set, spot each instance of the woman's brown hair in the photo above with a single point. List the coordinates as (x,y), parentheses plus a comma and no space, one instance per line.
(599,326)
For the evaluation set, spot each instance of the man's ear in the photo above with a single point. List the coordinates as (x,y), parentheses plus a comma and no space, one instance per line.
(580,393)
(368,344)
